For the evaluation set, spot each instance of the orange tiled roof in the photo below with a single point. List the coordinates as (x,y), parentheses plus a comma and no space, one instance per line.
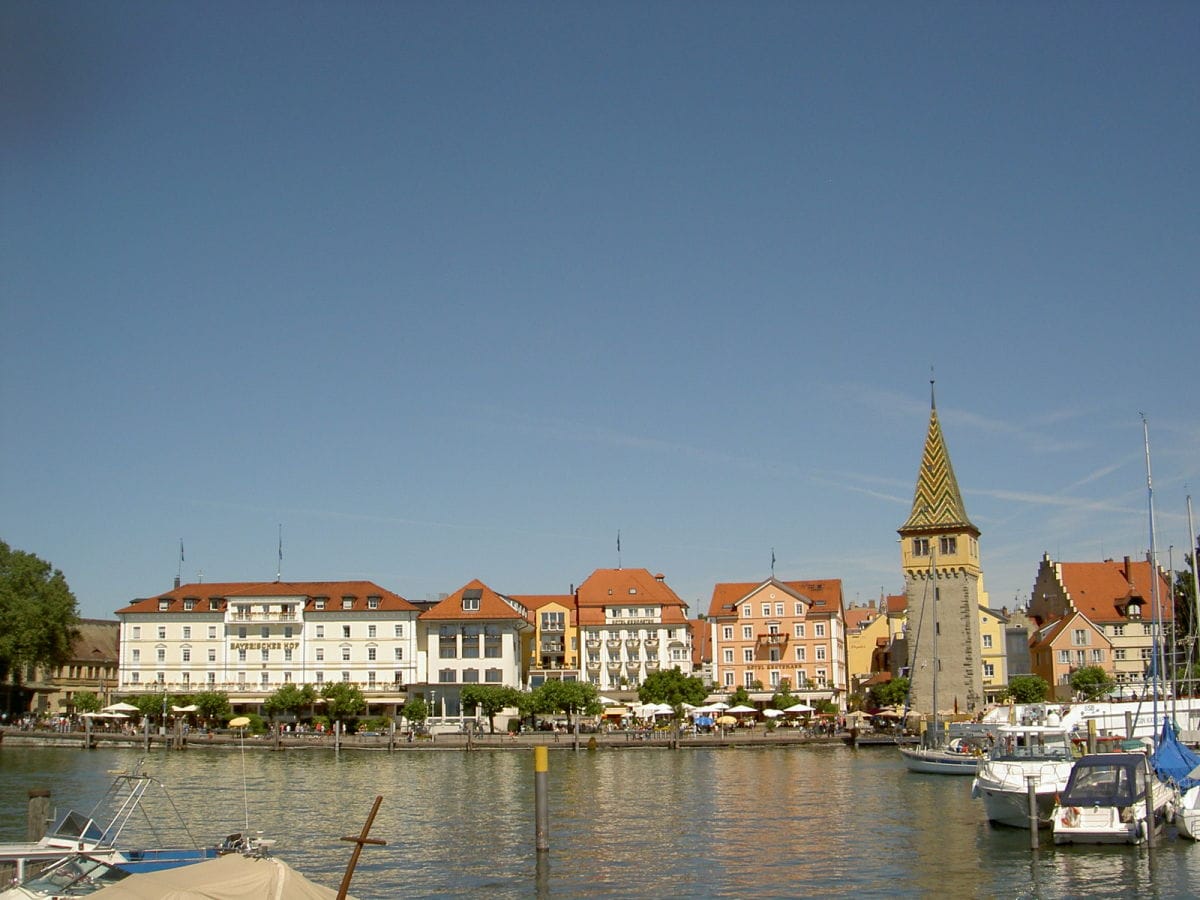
(824,595)
(860,617)
(492,606)
(1047,634)
(628,587)
(1101,590)
(334,591)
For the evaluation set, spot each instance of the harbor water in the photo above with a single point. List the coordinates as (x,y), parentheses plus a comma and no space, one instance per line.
(728,822)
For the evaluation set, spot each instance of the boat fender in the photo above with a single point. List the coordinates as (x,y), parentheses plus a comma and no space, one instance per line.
(1071,818)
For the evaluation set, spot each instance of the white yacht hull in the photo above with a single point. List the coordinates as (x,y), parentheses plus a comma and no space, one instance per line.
(939,762)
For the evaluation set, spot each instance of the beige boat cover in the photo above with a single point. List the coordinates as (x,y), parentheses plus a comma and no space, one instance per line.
(231,877)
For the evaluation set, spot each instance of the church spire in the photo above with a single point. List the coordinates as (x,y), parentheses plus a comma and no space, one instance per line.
(937,502)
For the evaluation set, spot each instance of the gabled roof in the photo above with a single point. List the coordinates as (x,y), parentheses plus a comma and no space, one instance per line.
(493,607)
(937,502)
(534,602)
(859,617)
(95,640)
(1045,637)
(1102,590)
(222,592)
(627,587)
(823,596)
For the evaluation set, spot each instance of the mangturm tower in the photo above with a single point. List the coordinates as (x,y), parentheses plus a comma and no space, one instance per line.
(943,582)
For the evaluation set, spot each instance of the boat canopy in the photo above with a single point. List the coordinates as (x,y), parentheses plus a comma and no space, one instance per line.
(1106,779)
(1173,761)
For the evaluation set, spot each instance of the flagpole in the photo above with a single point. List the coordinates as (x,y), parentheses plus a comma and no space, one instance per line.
(618,548)
(279,567)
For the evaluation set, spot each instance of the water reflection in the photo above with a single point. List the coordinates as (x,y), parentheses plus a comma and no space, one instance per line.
(771,822)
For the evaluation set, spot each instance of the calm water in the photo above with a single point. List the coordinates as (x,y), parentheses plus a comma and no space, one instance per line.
(771,822)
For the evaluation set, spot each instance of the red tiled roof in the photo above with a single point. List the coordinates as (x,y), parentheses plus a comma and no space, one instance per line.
(334,591)
(1101,590)
(628,587)
(825,595)
(492,606)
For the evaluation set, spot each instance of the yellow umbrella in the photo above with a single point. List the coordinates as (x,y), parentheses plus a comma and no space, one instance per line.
(726,720)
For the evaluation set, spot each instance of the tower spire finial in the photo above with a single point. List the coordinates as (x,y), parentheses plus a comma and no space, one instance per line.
(932,398)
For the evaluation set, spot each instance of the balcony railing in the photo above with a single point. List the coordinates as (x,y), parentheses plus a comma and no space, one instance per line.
(774,639)
(272,616)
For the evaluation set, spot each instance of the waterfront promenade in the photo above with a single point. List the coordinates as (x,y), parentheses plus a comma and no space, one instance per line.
(609,740)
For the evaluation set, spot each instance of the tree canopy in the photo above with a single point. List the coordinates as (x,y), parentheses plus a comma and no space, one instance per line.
(890,693)
(38,614)
(1091,682)
(672,687)
(289,699)
(343,700)
(489,699)
(1028,688)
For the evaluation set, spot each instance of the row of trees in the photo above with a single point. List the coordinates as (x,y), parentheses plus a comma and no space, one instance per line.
(1088,682)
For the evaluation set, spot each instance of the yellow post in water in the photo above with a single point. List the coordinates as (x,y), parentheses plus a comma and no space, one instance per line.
(541,768)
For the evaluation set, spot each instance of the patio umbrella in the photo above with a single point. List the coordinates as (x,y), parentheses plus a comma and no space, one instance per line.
(719,705)
(739,710)
(704,721)
(800,708)
(772,713)
(191,707)
(121,707)
(608,701)
(726,720)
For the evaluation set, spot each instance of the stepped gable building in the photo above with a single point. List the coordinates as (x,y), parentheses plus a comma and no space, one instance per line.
(943,583)
(632,624)
(474,636)
(250,638)
(765,633)
(1116,597)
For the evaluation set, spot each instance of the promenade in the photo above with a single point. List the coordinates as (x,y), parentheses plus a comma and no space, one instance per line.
(611,740)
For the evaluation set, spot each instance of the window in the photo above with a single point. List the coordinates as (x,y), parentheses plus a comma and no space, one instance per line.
(345,654)
(748,679)
(800,654)
(370,679)
(187,632)
(747,632)
(448,642)
(164,605)
(398,654)
(1064,657)
(212,654)
(320,654)
(446,676)
(1119,654)
(766,610)
(987,642)
(372,603)
(320,631)
(948,546)
(779,609)
(266,655)
(212,678)
(189,605)
(161,653)
(287,677)
(798,629)
(492,676)
(747,655)
(347,603)
(799,609)
(265,678)
(747,612)
(553,621)
(137,655)
(319,603)
(492,644)
(265,631)
(920,547)
(287,654)
(242,655)
(1118,630)
(470,599)
(242,632)
(819,629)
(989,670)
(1097,656)
(727,633)
(162,632)
(728,654)
(187,654)
(399,630)
(345,677)
(1079,637)
(820,653)
(774,677)
(137,632)
(470,676)
(134,677)
(212,632)
(470,641)
(345,631)
(287,631)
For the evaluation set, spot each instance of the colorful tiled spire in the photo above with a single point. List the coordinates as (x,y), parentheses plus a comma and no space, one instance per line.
(937,501)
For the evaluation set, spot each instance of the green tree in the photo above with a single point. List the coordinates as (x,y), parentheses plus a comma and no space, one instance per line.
(289,699)
(570,697)
(343,700)
(783,697)
(38,614)
(1028,688)
(415,711)
(740,697)
(150,706)
(890,693)
(672,687)
(212,707)
(489,699)
(86,702)
(1091,681)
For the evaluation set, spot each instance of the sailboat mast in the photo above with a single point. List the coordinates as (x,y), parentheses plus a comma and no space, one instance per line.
(1156,602)
(1195,635)
(937,733)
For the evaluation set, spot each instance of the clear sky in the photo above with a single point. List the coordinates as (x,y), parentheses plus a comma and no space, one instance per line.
(461,290)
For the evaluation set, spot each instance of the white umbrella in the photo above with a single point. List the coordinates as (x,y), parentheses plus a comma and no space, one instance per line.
(660,709)
(191,707)
(738,710)
(121,707)
(719,705)
(608,701)
(800,708)
(772,713)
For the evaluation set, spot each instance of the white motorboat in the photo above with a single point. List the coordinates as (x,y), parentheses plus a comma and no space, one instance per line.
(1041,752)
(1187,814)
(1105,801)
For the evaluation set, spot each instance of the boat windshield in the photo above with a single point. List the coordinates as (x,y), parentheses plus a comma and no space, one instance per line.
(1104,784)
(77,827)
(74,875)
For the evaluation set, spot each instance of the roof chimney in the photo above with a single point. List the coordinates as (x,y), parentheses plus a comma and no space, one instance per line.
(176,582)
(1129,574)
(660,577)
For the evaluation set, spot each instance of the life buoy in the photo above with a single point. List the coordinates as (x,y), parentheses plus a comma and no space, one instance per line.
(1071,818)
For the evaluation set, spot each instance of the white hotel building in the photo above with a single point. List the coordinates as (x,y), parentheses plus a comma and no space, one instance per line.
(249,639)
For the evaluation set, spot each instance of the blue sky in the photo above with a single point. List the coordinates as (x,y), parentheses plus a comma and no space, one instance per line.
(461,290)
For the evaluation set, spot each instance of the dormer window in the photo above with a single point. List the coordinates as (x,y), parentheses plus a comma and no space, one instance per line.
(214,605)
(189,605)
(373,603)
(347,603)
(633,590)
(1134,609)
(319,603)
(470,600)
(163,604)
